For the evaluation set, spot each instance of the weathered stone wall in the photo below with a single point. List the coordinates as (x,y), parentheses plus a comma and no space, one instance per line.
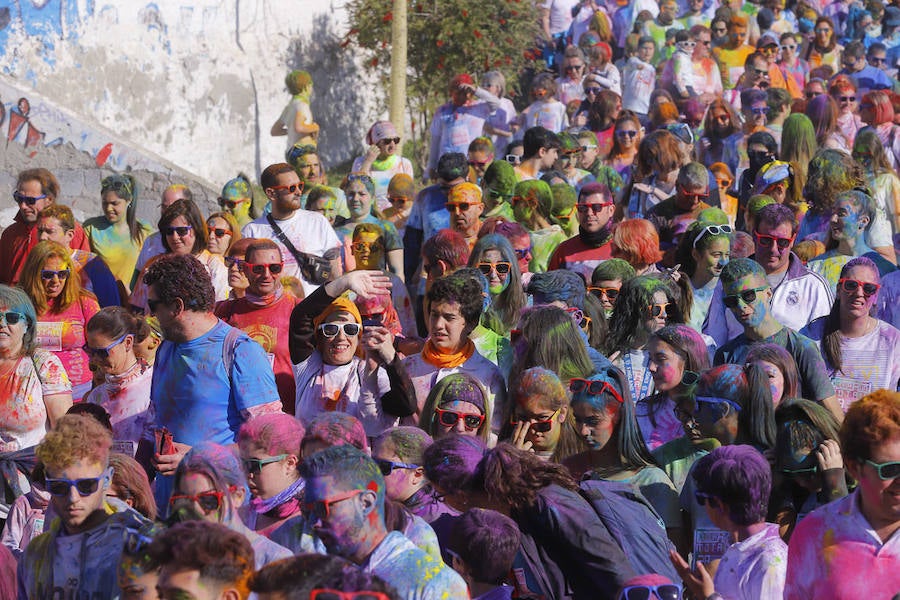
(171,90)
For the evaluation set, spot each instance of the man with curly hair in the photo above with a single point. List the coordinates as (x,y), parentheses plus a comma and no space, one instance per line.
(77,556)
(208,377)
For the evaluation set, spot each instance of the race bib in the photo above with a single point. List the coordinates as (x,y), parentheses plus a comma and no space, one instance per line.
(49,335)
(849,390)
(710,545)
(459,134)
(124,447)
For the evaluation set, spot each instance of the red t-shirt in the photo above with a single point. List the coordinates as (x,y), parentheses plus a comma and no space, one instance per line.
(575,255)
(268,325)
(17,241)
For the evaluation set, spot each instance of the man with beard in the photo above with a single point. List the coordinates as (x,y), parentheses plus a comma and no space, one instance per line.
(306,231)
(344,501)
(590,247)
(691,194)
(748,295)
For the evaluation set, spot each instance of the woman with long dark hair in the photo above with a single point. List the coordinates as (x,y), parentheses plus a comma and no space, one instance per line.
(117,236)
(645,305)
(495,257)
(674,351)
(862,353)
(541,420)
(566,550)
(604,416)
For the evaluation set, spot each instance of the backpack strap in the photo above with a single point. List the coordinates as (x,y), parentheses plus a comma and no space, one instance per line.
(228,347)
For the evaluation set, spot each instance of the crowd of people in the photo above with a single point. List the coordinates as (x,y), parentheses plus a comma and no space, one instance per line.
(634,336)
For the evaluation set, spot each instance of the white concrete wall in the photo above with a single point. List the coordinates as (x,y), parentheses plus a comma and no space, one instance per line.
(195,82)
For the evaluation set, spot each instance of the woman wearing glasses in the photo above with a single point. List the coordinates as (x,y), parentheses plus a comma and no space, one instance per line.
(605,418)
(677,354)
(382,160)
(843,91)
(125,391)
(270,453)
(63,309)
(495,257)
(809,469)
(458,405)
(704,250)
(368,250)
(644,306)
(184,232)
(732,405)
(542,421)
(223,232)
(340,367)
(118,235)
(360,191)
(824,49)
(862,353)
(34,388)
(626,139)
(791,64)
(210,486)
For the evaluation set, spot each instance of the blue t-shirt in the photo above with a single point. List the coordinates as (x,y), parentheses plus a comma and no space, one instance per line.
(193,395)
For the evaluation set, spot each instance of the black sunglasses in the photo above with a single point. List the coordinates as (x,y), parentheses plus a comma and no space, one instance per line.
(387,466)
(449,418)
(748,296)
(181,231)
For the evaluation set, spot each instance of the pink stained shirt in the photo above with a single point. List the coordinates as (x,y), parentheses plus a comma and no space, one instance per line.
(63,335)
(834,553)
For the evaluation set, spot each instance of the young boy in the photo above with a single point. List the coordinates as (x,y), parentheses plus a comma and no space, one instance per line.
(483,545)
(78,556)
(733,484)
(639,79)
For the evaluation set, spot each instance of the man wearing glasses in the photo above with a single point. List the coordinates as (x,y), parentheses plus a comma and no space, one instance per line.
(208,377)
(859,529)
(590,247)
(748,295)
(36,189)
(866,76)
(264,313)
(691,194)
(306,231)
(77,556)
(798,295)
(344,503)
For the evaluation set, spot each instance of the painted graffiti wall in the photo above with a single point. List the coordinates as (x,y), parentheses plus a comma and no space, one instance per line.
(195,83)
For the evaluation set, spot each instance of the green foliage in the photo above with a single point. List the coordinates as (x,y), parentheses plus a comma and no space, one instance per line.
(445,38)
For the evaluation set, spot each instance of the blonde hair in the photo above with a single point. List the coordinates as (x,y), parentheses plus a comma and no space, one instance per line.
(31,278)
(75,437)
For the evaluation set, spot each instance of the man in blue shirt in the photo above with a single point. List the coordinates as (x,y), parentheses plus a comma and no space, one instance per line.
(208,377)
(866,76)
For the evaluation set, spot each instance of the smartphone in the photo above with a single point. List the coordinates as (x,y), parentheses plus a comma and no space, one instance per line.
(374,320)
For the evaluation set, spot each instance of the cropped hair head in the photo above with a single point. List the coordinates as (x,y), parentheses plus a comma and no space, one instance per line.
(296,578)
(182,277)
(740,478)
(336,429)
(75,438)
(487,541)
(351,468)
(558,286)
(223,557)
(406,442)
(465,291)
(274,434)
